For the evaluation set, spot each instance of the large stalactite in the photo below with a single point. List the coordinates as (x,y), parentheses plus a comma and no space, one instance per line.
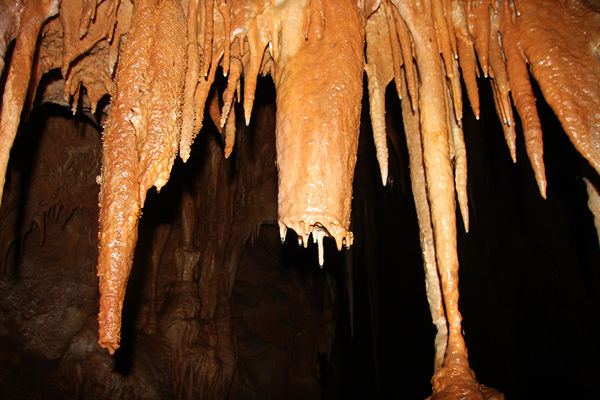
(159,61)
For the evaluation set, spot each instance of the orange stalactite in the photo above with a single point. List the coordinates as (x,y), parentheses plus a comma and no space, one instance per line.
(166,67)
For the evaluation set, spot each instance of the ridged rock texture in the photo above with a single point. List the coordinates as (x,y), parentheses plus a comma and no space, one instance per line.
(154,74)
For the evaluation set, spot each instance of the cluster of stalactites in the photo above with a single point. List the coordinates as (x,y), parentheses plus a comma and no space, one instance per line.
(157,61)
(473,38)
(503,40)
(83,40)
(425,47)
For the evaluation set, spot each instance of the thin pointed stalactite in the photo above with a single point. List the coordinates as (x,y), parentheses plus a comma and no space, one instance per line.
(498,71)
(444,31)
(88,14)
(258,44)
(468,66)
(200,95)
(380,68)
(466,55)
(500,107)
(225,11)
(209,26)
(460,172)
(458,154)
(318,235)
(478,19)
(522,94)
(202,92)
(377,112)
(394,46)
(510,135)
(407,56)
(448,11)
(232,82)
(192,75)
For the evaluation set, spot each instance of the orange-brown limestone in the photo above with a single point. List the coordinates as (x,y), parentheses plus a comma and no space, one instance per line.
(316,145)
(140,143)
(381,67)
(35,13)
(166,63)
(565,64)
(10,19)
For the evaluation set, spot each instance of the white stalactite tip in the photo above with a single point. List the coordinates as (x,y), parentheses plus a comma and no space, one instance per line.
(318,234)
(282,231)
(319,231)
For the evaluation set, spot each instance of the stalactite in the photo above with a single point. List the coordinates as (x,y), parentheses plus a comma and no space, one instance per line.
(235,73)
(460,171)
(419,188)
(209,25)
(377,111)
(498,72)
(192,74)
(407,56)
(225,11)
(102,27)
(202,92)
(88,14)
(35,14)
(257,42)
(440,191)
(466,55)
(443,34)
(478,18)
(119,200)
(393,45)
(564,64)
(381,33)
(166,67)
(163,100)
(522,95)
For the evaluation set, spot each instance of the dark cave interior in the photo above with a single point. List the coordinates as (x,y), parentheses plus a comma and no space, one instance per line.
(234,302)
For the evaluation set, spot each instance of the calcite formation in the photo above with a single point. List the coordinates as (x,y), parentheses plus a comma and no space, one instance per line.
(158,59)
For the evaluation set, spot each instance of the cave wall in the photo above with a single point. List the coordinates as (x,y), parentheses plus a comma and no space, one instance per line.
(237,314)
